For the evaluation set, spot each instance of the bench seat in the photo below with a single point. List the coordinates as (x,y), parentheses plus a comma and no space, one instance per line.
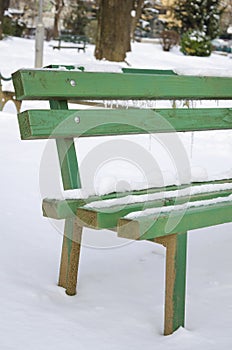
(158,222)
(132,201)
(71,42)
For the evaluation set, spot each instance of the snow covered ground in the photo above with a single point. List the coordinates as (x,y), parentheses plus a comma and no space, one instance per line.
(121,284)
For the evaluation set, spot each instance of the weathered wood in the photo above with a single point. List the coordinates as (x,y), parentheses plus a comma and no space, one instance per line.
(176,248)
(167,225)
(152,226)
(74,259)
(65,255)
(70,256)
(50,84)
(82,123)
(108,216)
(65,208)
(70,179)
(6,96)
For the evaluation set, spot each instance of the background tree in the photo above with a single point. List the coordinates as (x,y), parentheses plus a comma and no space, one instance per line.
(114,29)
(138,7)
(200,15)
(4,4)
(59,5)
(200,20)
(226,18)
(77,18)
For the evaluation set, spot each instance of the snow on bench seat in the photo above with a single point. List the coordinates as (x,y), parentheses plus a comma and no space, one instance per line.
(159,222)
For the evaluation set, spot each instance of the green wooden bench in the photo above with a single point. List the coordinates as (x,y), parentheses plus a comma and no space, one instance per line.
(6,95)
(71,41)
(208,203)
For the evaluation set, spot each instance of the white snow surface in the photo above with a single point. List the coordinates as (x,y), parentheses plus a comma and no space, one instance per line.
(120,297)
(180,207)
(188,191)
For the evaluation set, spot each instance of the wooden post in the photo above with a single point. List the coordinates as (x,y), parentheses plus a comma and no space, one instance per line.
(72,232)
(176,245)
(70,256)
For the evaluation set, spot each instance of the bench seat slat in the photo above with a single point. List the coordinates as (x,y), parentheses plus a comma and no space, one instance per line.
(153,226)
(49,84)
(67,208)
(101,218)
(76,123)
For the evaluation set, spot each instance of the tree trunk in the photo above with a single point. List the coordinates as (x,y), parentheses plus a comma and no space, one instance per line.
(114,27)
(138,6)
(58,8)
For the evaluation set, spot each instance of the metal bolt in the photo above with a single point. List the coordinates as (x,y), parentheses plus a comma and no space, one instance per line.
(73,83)
(77,120)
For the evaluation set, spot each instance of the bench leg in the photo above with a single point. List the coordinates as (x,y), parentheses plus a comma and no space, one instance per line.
(6,96)
(70,256)
(176,246)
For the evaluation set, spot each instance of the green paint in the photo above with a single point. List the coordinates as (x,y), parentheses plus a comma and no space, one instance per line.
(48,84)
(67,154)
(69,235)
(61,209)
(149,71)
(179,282)
(58,86)
(152,226)
(83,123)
(108,217)
(68,163)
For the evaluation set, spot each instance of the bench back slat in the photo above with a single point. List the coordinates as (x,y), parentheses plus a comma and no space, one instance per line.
(59,84)
(149,71)
(77,123)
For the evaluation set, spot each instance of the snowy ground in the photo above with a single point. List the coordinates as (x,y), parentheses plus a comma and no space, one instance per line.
(121,284)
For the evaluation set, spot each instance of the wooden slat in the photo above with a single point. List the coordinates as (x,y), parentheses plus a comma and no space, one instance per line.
(152,226)
(149,71)
(107,217)
(67,208)
(50,84)
(77,123)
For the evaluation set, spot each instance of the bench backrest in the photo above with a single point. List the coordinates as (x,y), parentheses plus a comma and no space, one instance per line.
(60,85)
(72,38)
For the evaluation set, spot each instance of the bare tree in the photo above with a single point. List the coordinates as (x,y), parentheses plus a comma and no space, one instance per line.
(114,28)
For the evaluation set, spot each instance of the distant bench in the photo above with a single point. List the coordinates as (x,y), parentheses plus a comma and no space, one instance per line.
(78,42)
(6,95)
(160,214)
